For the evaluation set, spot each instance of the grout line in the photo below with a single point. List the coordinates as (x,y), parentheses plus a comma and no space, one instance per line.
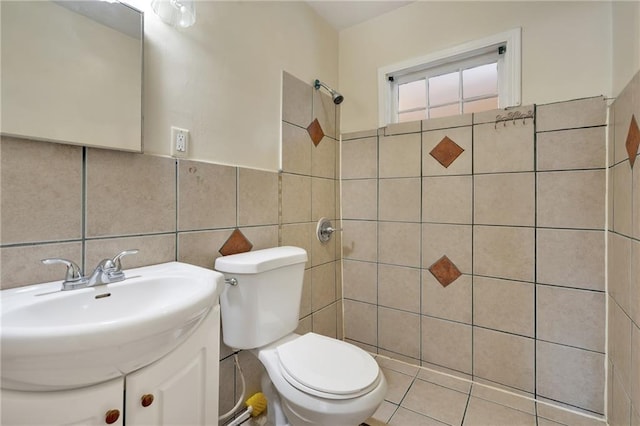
(473,225)
(112,237)
(578,169)
(624,236)
(546,228)
(176,169)
(41,243)
(85,213)
(549,228)
(237,196)
(584,170)
(583,411)
(558,286)
(377,241)
(535,255)
(421,348)
(413,380)
(466,407)
(595,126)
(395,410)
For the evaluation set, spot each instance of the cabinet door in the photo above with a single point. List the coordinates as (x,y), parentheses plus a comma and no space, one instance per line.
(182,387)
(94,405)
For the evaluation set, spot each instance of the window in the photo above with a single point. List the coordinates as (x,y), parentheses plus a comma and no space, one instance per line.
(456,88)
(477,76)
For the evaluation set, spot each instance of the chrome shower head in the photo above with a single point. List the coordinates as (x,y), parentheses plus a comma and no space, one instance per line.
(335,96)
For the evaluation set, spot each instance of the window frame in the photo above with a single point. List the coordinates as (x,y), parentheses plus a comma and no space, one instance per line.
(509,71)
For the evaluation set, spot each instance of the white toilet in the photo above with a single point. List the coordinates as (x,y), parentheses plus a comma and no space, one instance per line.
(317,380)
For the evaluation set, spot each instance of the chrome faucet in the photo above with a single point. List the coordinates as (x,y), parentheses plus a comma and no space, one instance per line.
(73,278)
(108,271)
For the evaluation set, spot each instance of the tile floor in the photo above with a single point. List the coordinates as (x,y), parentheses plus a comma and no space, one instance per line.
(418,396)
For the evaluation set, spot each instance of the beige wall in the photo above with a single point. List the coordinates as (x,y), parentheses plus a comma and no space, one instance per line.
(222,78)
(626,43)
(565,48)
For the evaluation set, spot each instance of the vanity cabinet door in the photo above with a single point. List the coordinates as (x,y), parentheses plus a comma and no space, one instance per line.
(182,387)
(95,405)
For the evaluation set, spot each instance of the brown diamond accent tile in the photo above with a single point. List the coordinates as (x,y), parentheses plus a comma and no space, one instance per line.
(633,140)
(446,151)
(445,271)
(236,243)
(315,131)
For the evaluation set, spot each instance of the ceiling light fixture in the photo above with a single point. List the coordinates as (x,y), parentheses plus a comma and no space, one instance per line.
(177,13)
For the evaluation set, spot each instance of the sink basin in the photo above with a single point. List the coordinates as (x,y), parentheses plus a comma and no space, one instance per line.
(53,340)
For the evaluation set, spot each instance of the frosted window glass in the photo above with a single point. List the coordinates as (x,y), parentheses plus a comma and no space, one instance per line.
(480,81)
(412,95)
(444,111)
(444,88)
(412,116)
(481,105)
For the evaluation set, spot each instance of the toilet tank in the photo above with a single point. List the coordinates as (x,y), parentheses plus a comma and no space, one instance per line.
(264,306)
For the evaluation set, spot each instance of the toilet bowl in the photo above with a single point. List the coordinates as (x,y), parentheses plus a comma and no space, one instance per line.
(323,381)
(311,379)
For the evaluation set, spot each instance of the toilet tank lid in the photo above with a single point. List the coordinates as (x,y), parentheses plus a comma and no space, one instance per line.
(257,261)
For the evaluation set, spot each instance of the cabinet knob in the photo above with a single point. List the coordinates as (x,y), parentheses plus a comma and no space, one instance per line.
(112,416)
(146,400)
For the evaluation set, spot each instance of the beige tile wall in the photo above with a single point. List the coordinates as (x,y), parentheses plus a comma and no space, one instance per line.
(570,298)
(169,209)
(624,263)
(521,214)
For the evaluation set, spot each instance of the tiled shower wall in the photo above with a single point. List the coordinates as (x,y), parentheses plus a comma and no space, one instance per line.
(475,244)
(624,258)
(87,204)
(310,182)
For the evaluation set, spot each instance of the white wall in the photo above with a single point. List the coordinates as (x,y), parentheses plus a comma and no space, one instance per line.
(565,48)
(222,78)
(626,43)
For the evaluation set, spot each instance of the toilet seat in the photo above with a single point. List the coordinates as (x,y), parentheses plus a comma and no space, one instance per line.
(326,367)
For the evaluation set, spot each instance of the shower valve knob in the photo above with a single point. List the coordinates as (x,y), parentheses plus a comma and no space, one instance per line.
(325,229)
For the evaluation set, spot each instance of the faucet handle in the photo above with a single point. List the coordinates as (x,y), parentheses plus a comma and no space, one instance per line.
(117,265)
(74,273)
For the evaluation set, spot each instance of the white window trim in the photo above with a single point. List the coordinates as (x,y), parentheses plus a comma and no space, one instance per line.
(509,73)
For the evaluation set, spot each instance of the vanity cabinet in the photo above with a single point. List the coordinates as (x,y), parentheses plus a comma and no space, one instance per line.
(180,388)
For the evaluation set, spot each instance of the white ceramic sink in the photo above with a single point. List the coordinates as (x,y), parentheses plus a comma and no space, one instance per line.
(54,339)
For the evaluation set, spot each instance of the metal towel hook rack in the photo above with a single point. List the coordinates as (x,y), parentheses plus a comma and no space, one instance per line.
(512,116)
